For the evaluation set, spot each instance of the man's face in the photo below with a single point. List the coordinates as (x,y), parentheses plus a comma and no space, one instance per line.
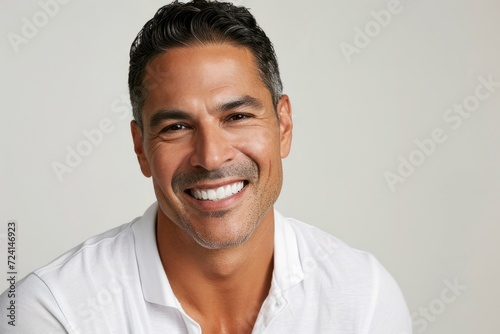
(212,143)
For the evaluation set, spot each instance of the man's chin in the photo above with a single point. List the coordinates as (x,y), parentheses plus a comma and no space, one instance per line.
(217,214)
(222,235)
(220,244)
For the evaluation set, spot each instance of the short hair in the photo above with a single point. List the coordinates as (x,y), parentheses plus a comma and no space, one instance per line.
(200,22)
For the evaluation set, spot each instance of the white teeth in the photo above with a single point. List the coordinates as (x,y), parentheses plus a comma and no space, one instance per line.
(217,193)
(212,195)
(221,193)
(228,191)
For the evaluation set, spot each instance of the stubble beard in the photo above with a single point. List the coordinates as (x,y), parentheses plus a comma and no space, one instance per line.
(247,170)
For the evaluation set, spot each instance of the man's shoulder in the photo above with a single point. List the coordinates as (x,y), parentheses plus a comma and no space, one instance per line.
(334,286)
(72,289)
(110,243)
(311,239)
(327,256)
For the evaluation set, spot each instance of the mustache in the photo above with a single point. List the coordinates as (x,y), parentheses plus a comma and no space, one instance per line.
(247,170)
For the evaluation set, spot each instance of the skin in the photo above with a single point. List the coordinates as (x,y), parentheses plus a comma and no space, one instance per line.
(209,121)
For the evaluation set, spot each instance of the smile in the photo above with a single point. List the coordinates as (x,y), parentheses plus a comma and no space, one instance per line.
(216,194)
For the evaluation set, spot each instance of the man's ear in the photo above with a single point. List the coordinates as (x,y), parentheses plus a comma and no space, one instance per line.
(139,148)
(285,119)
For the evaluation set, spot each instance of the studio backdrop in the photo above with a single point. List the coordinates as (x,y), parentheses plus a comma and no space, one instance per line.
(396,146)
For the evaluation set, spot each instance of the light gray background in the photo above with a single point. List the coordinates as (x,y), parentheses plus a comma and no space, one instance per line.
(352,122)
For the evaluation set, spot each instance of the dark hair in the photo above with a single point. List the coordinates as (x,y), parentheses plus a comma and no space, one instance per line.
(199,22)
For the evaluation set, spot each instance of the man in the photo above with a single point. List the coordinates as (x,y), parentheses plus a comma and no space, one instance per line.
(210,128)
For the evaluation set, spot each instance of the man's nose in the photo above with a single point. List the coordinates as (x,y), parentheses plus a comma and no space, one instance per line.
(212,148)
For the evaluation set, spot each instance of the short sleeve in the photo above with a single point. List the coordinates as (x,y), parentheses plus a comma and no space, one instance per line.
(34,309)
(390,313)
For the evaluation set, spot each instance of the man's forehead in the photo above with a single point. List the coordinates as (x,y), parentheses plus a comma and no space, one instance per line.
(189,56)
(219,72)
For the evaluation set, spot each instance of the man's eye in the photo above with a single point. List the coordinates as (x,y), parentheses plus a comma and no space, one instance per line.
(237,117)
(174,127)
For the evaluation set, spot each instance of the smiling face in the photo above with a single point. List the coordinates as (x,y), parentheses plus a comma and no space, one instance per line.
(212,143)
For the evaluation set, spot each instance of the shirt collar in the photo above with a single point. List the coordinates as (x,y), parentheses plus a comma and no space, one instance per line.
(287,272)
(154,282)
(288,269)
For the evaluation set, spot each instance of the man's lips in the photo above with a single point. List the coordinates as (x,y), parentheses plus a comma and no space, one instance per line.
(217,193)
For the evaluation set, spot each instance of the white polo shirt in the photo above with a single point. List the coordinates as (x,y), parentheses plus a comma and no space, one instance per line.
(115,283)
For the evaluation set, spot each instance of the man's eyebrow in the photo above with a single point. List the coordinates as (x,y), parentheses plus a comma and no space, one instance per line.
(166,114)
(169,114)
(240,102)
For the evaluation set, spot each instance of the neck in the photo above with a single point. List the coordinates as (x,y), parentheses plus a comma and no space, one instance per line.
(228,285)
